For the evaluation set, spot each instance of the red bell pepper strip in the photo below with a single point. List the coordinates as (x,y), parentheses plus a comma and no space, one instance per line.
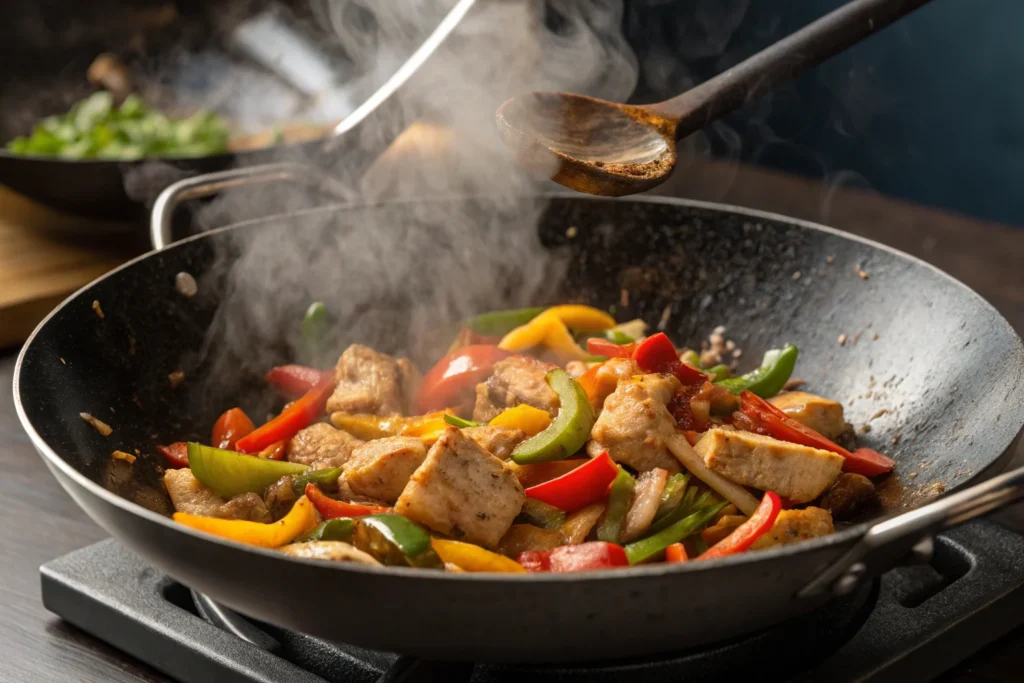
(745,534)
(658,354)
(176,453)
(584,485)
(456,375)
(295,380)
(332,509)
(275,451)
(298,415)
(772,421)
(575,558)
(609,349)
(676,553)
(229,428)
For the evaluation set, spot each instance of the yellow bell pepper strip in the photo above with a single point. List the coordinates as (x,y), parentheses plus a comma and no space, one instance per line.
(582,318)
(395,541)
(230,474)
(568,431)
(620,496)
(529,420)
(473,558)
(551,329)
(370,427)
(299,520)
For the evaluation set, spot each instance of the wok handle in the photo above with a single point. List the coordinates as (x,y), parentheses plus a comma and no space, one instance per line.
(210,184)
(910,534)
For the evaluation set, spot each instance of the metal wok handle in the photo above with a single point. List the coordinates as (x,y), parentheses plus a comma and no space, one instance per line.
(210,184)
(889,542)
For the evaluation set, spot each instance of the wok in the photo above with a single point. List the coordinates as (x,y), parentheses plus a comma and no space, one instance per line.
(947,367)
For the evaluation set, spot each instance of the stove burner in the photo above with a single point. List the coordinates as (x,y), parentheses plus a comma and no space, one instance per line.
(911,625)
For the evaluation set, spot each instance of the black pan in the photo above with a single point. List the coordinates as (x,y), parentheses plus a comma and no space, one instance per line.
(947,367)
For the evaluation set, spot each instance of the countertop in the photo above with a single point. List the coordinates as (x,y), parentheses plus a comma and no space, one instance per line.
(41,522)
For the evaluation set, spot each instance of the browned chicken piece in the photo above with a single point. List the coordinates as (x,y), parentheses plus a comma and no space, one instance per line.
(796,472)
(522,537)
(607,378)
(189,495)
(498,441)
(373,383)
(462,491)
(279,497)
(848,494)
(796,525)
(322,445)
(334,551)
(823,415)
(515,380)
(635,424)
(381,468)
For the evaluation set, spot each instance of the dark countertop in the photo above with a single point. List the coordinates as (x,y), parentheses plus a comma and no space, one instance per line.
(42,522)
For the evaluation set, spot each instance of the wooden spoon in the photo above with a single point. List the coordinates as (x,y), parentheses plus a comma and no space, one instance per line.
(605,148)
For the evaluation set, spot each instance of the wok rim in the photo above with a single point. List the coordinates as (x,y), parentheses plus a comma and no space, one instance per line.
(837,539)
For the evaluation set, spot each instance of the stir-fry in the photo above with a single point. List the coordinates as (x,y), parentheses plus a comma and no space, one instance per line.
(545,440)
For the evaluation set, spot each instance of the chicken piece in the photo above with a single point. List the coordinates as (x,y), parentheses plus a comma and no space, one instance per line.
(498,441)
(372,382)
(823,415)
(515,380)
(796,472)
(322,446)
(462,491)
(635,424)
(279,497)
(189,495)
(848,493)
(334,551)
(381,468)
(607,378)
(796,525)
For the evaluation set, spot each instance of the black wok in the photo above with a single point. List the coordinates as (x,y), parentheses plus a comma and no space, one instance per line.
(947,367)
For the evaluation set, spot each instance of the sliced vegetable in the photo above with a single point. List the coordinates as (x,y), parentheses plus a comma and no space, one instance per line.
(581,487)
(541,514)
(296,416)
(568,431)
(657,354)
(395,540)
(672,496)
(579,524)
(230,427)
(551,329)
(676,553)
(370,427)
(868,462)
(275,451)
(719,372)
(455,376)
(339,529)
(456,421)
(321,479)
(292,381)
(176,453)
(745,534)
(727,488)
(300,519)
(575,558)
(473,558)
(332,509)
(646,499)
(502,322)
(620,497)
(767,380)
(314,324)
(230,474)
(608,349)
(529,420)
(645,549)
(532,475)
(692,501)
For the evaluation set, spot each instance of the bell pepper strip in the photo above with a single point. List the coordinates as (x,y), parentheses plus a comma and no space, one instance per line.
(381,534)
(292,381)
(575,558)
(672,496)
(719,373)
(551,329)
(275,451)
(293,418)
(603,347)
(768,419)
(176,453)
(230,427)
(314,323)
(529,420)
(499,323)
(339,529)
(745,534)
(541,514)
(568,431)
(647,548)
(332,509)
(532,475)
(676,553)
(300,519)
(456,421)
(582,318)
(473,558)
(767,380)
(230,474)
(321,479)
(454,377)
(691,502)
(728,489)
(370,427)
(657,354)
(579,524)
(581,487)
(620,497)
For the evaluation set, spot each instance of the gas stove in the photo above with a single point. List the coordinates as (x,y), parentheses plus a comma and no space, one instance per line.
(912,624)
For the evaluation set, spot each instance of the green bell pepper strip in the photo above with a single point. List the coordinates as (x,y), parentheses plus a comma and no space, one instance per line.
(395,540)
(314,322)
(567,432)
(456,421)
(719,372)
(672,496)
(539,513)
(230,474)
(691,503)
(339,529)
(651,546)
(620,497)
(497,323)
(768,380)
(320,478)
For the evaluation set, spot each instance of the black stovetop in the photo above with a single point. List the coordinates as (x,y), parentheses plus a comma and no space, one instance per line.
(912,624)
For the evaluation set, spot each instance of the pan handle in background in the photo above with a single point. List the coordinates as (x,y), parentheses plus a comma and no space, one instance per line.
(887,543)
(211,184)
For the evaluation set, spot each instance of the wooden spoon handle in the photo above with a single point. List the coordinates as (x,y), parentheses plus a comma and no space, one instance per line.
(781,62)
